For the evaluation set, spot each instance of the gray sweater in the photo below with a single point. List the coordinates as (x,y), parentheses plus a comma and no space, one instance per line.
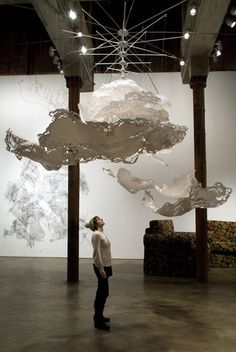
(101,250)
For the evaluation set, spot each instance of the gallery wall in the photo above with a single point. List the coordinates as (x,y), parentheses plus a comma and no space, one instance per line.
(34,201)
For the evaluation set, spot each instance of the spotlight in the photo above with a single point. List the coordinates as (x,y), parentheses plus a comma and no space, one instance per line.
(232,10)
(217,50)
(84,49)
(193,10)
(55,60)
(182,62)
(79,34)
(186,35)
(231,22)
(51,51)
(219,45)
(72,14)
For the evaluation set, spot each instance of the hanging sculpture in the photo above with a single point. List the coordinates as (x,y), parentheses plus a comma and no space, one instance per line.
(119,122)
(185,188)
(129,132)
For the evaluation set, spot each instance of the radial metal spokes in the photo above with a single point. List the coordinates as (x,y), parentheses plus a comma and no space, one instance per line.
(126,46)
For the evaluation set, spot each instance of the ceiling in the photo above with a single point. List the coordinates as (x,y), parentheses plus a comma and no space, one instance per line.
(48,20)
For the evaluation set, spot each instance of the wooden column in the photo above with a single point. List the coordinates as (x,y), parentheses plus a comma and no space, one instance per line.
(74,84)
(198,85)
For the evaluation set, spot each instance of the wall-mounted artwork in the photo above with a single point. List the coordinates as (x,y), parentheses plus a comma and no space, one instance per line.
(37,92)
(38,204)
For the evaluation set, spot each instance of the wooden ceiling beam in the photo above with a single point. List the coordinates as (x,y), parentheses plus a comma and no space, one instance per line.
(204,28)
(54,16)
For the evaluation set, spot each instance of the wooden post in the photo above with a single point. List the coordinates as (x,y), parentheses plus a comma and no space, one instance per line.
(74,84)
(198,85)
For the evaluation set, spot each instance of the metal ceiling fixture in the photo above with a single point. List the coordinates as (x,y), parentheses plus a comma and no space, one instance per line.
(125,47)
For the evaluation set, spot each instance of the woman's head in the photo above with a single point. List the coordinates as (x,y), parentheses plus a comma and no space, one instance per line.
(95,223)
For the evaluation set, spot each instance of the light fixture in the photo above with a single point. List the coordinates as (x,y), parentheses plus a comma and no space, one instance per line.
(193,10)
(72,14)
(51,51)
(186,35)
(79,34)
(84,49)
(182,62)
(55,59)
(60,66)
(217,50)
(231,22)
(232,10)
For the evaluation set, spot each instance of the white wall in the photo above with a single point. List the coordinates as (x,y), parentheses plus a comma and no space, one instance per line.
(220,138)
(24,104)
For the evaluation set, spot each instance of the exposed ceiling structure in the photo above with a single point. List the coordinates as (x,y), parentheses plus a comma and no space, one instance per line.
(53,15)
(166,23)
(204,28)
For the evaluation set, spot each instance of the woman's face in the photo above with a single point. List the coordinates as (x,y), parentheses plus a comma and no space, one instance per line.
(100,222)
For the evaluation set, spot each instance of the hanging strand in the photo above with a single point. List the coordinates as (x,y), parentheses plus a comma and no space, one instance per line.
(163,44)
(152,83)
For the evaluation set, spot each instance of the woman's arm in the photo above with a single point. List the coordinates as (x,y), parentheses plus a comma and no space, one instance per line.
(96,241)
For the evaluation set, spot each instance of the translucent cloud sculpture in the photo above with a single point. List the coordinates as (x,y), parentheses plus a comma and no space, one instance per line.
(123,99)
(186,187)
(181,186)
(134,122)
(131,183)
(119,122)
(209,197)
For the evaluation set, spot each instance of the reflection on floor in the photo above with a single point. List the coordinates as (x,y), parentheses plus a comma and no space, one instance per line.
(40,312)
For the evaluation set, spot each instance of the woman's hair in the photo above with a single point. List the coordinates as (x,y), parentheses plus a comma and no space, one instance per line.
(92,224)
(95,222)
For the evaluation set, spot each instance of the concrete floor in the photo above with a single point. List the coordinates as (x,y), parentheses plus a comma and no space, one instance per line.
(40,312)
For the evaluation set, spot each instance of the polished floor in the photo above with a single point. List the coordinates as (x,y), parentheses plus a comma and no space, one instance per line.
(40,312)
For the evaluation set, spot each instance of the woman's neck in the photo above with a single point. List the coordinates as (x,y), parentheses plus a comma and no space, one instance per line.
(100,228)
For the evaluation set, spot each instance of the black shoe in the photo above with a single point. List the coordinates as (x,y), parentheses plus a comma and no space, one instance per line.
(106,320)
(101,326)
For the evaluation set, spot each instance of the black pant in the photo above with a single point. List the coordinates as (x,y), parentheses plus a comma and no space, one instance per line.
(102,292)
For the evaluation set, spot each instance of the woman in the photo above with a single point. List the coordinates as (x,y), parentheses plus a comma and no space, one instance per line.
(102,268)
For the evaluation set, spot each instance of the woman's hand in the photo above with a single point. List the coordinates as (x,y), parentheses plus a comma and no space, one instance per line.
(103,275)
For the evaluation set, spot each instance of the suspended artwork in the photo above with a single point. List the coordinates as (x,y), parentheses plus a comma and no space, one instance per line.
(119,122)
(113,130)
(186,189)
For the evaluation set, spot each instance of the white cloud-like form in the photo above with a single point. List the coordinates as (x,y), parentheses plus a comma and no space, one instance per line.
(131,183)
(119,122)
(190,192)
(208,197)
(122,122)
(123,99)
(181,186)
